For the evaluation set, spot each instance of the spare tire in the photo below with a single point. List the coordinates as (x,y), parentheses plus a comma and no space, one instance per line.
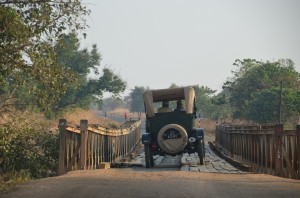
(172,138)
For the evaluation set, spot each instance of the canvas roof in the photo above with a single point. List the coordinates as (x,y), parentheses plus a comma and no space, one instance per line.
(159,95)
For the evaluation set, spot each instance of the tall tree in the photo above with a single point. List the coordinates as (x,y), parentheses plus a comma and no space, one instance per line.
(82,62)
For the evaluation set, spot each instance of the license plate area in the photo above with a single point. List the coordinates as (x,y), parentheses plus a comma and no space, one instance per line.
(171,134)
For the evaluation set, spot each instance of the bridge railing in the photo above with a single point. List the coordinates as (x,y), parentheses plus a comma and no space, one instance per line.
(87,146)
(264,149)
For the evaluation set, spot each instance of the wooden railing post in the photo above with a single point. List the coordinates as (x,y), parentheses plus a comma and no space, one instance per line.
(83,143)
(62,146)
(230,147)
(298,148)
(106,154)
(278,150)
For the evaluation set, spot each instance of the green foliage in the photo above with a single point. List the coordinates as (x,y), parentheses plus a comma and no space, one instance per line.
(30,73)
(81,62)
(42,67)
(253,91)
(206,103)
(28,149)
(261,107)
(137,99)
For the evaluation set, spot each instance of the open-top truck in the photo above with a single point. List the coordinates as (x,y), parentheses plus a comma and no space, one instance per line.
(171,132)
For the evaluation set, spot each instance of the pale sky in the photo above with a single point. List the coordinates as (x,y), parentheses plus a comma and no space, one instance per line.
(190,42)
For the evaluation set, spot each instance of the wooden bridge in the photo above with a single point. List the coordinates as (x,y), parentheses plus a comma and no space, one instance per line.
(89,146)
(264,149)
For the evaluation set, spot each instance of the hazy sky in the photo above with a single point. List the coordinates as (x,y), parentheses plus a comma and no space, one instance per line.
(188,42)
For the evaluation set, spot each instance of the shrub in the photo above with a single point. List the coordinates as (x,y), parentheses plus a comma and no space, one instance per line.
(27,150)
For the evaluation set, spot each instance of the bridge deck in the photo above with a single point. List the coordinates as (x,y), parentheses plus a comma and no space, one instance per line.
(190,162)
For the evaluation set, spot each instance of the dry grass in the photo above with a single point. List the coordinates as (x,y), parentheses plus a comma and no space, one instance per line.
(93,117)
(121,111)
(37,120)
(209,128)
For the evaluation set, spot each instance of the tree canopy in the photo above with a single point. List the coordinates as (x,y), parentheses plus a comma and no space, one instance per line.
(83,62)
(253,91)
(28,62)
(41,63)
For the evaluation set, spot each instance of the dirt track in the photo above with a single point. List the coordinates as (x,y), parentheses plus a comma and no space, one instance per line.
(141,182)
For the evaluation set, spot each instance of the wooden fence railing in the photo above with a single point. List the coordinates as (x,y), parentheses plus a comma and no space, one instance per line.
(265,149)
(89,145)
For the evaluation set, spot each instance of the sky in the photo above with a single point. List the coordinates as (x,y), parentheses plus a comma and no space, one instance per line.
(154,43)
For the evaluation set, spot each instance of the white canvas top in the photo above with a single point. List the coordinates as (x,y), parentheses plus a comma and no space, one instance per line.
(182,93)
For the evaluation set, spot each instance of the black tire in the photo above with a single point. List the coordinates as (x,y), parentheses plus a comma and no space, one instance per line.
(200,150)
(148,156)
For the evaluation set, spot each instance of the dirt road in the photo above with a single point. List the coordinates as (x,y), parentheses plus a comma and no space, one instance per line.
(141,182)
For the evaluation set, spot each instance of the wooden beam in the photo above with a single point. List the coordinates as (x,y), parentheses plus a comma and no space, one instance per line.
(278,149)
(62,146)
(72,160)
(289,164)
(298,148)
(83,143)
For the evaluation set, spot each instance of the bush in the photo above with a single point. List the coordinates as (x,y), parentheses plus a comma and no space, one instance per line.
(27,150)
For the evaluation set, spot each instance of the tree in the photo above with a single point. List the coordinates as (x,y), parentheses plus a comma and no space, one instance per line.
(28,62)
(82,62)
(204,101)
(253,91)
(207,105)
(137,100)
(112,103)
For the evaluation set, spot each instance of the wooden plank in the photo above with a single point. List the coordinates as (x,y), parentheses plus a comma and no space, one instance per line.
(298,148)
(289,164)
(202,168)
(294,152)
(72,129)
(62,147)
(216,166)
(108,131)
(194,169)
(278,150)
(158,160)
(211,169)
(185,168)
(83,142)
(72,160)
(228,167)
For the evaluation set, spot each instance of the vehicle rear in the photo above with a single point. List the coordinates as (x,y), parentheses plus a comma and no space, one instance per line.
(171,132)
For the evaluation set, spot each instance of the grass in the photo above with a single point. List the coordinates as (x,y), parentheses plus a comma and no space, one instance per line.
(9,181)
(209,128)
(93,117)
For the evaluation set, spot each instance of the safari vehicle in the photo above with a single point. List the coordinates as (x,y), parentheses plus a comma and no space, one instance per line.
(171,132)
